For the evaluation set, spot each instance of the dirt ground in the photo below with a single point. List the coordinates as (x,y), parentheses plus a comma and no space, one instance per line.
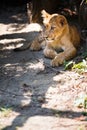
(33,95)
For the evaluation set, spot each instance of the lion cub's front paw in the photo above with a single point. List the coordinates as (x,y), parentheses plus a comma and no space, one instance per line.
(35,46)
(57,61)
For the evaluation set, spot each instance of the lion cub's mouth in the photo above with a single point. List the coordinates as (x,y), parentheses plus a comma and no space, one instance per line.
(49,39)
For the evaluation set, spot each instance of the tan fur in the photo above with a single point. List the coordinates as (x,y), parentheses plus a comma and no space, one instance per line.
(60,35)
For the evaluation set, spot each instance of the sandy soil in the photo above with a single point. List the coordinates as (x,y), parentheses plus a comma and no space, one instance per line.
(40,97)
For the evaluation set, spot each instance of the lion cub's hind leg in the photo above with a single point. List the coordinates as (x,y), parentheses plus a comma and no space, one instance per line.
(36,45)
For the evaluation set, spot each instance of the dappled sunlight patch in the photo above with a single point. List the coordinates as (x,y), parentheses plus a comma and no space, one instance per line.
(68,86)
(55,99)
(12,69)
(10,44)
(33,27)
(25,102)
(6,41)
(3,28)
(48,122)
(37,66)
(13,66)
(67,75)
(15,27)
(38,122)
(8,119)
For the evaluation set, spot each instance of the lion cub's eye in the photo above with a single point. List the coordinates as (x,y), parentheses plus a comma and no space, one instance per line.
(53,27)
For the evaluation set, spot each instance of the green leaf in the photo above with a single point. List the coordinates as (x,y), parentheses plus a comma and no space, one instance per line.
(68,65)
(80,67)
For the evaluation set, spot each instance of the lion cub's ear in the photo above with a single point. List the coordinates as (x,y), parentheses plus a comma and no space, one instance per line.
(45,14)
(46,17)
(63,21)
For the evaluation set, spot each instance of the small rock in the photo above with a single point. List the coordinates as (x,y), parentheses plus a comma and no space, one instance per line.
(41,99)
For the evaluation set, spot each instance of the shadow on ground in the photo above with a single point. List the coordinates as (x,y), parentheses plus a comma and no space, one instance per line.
(25,78)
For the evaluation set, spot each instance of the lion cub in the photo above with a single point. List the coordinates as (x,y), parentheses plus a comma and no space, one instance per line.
(59,35)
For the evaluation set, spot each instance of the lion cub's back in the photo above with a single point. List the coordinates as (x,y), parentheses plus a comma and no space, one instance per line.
(75,36)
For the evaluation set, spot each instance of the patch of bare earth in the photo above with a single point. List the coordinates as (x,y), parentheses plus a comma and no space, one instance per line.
(33,95)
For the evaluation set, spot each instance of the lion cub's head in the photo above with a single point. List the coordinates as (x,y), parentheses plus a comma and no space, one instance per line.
(55,24)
